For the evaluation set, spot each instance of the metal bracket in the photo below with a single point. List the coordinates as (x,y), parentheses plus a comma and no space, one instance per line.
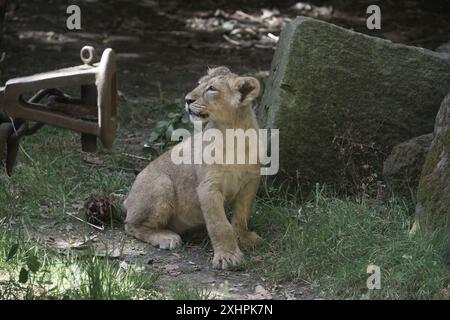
(93,114)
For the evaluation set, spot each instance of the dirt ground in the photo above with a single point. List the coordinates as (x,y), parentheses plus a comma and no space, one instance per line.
(165,46)
(190,265)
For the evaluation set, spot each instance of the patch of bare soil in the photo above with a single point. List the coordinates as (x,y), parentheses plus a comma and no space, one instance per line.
(189,265)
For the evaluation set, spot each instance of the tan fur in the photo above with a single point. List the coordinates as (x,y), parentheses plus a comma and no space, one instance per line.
(167,199)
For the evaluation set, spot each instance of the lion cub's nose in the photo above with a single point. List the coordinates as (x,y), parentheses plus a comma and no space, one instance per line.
(189,101)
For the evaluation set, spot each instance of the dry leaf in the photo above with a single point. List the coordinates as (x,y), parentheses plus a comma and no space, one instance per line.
(92,159)
(260,294)
(73,243)
(123,265)
(172,269)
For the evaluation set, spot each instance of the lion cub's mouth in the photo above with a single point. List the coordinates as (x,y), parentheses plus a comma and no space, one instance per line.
(199,114)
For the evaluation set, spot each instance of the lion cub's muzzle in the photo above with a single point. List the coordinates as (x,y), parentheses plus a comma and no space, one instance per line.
(195,111)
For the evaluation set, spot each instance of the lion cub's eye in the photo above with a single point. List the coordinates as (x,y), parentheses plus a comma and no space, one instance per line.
(211,88)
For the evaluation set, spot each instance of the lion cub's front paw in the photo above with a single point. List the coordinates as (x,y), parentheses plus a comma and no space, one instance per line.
(249,239)
(224,259)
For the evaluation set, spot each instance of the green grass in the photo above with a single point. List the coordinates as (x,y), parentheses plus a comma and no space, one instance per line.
(53,176)
(183,291)
(34,271)
(329,243)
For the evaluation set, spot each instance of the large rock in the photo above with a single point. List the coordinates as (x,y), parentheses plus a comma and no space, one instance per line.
(403,167)
(433,195)
(342,100)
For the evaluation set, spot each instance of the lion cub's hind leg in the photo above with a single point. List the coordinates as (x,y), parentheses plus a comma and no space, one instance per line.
(162,238)
(149,209)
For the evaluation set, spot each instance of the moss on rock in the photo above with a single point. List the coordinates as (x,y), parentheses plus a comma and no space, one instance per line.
(433,195)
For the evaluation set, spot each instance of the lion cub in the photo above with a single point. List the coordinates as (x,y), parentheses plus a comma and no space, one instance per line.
(168,199)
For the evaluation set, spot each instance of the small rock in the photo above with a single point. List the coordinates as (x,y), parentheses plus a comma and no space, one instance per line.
(402,168)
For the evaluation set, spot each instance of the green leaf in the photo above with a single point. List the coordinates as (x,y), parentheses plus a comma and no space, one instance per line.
(12,251)
(153,137)
(186,126)
(173,115)
(162,124)
(169,133)
(33,263)
(23,275)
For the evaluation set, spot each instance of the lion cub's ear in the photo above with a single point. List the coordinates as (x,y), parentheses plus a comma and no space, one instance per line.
(249,88)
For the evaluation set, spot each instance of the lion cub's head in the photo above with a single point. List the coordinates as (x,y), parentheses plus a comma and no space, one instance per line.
(220,95)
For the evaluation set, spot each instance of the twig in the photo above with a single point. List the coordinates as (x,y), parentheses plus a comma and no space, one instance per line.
(135,156)
(26,154)
(233,42)
(79,219)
